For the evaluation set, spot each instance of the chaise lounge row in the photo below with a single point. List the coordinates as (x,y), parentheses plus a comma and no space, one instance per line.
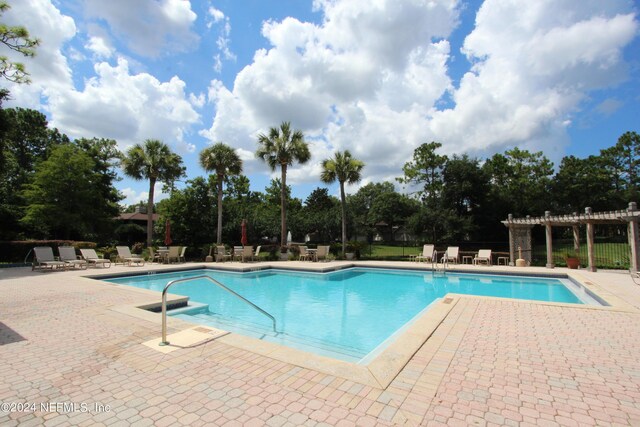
(43,258)
(451,255)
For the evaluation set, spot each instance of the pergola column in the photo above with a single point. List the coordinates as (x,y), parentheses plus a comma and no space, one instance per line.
(633,239)
(519,238)
(590,237)
(549,237)
(512,243)
(576,239)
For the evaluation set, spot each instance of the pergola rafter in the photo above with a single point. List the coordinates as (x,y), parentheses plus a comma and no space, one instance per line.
(520,231)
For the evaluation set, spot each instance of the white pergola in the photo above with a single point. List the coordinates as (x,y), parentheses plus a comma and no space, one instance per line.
(522,227)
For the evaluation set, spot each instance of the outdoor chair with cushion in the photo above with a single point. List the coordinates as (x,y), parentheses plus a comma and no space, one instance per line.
(181,258)
(93,259)
(43,258)
(174,254)
(125,256)
(222,254)
(451,255)
(237,253)
(483,257)
(247,253)
(322,253)
(154,256)
(69,257)
(304,254)
(427,254)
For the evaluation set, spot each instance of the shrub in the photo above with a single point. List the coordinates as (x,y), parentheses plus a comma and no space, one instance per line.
(295,251)
(355,247)
(274,252)
(137,248)
(108,252)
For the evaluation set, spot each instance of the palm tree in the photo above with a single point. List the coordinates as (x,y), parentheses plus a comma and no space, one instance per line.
(342,168)
(153,160)
(224,161)
(281,148)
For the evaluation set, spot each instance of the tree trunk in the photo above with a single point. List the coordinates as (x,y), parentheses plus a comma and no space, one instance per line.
(219,234)
(152,184)
(343,204)
(283,206)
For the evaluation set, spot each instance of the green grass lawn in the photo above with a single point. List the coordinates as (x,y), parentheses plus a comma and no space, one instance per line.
(607,255)
(388,251)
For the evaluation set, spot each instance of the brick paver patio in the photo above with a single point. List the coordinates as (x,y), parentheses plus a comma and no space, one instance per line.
(490,362)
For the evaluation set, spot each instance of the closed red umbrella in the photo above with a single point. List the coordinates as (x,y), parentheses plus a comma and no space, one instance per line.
(243,239)
(167,233)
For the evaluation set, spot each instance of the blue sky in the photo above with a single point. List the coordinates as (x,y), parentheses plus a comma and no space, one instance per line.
(377,77)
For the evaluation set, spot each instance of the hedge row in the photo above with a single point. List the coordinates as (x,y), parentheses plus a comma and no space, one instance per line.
(17,251)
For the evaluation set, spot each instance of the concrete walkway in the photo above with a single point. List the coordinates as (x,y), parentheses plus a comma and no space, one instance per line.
(67,357)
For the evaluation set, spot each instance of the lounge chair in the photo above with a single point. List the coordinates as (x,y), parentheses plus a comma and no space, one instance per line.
(451,255)
(125,256)
(256,255)
(428,252)
(174,253)
(483,257)
(181,258)
(43,258)
(69,257)
(247,254)
(322,253)
(93,259)
(222,254)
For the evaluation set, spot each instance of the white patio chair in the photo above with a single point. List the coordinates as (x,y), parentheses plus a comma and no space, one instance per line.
(427,253)
(451,255)
(483,257)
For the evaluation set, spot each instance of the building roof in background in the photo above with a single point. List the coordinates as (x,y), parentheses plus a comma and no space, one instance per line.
(136,216)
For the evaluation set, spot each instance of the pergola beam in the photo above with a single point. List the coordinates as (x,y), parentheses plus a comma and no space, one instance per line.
(631,216)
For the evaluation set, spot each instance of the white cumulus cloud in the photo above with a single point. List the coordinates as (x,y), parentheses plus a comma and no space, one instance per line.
(148,27)
(128,108)
(372,77)
(364,79)
(531,75)
(216,14)
(49,69)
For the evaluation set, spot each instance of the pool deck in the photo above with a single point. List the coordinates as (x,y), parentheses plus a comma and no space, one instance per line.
(73,349)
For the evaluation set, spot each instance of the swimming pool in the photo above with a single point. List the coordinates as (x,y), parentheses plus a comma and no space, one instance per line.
(348,314)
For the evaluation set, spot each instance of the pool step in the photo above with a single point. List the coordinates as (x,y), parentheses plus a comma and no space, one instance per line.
(266,333)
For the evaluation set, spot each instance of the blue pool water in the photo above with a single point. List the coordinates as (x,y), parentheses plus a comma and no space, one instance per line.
(344,314)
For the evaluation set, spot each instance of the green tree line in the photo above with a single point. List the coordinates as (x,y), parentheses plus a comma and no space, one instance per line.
(53,187)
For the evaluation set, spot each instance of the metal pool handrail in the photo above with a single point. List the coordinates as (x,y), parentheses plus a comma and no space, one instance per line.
(215,282)
(434,262)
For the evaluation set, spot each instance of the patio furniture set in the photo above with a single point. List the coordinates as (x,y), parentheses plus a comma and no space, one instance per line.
(239,253)
(168,254)
(452,255)
(318,254)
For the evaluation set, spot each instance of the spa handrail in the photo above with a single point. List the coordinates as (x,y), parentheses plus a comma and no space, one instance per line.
(215,282)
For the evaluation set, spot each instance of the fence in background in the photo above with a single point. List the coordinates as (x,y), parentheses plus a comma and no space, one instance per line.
(611,248)
(402,250)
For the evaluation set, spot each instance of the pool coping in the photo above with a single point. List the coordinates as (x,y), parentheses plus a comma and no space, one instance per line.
(382,370)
